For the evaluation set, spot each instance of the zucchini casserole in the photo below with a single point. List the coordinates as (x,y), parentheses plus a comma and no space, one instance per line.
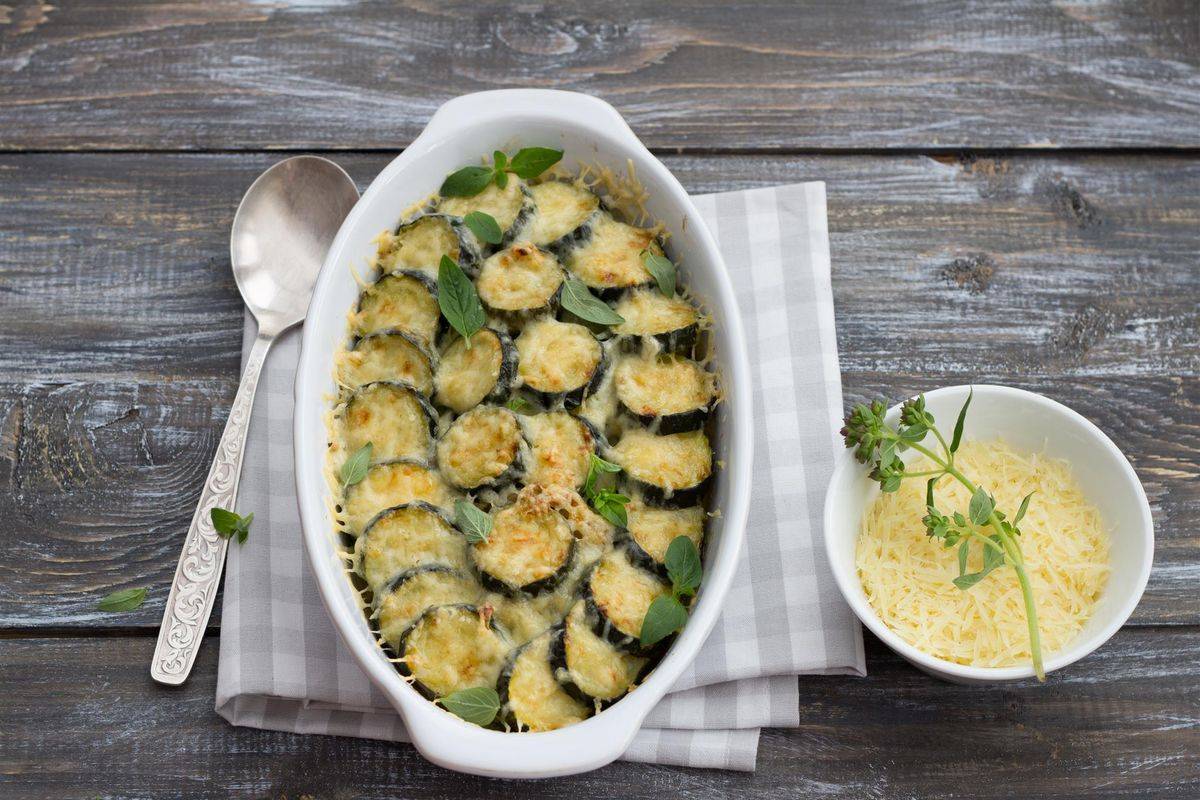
(511,494)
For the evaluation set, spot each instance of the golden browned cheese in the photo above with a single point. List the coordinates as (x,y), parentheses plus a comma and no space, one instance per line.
(454,648)
(594,665)
(481,445)
(423,589)
(655,528)
(520,278)
(502,205)
(394,484)
(406,538)
(528,543)
(659,385)
(535,698)
(673,462)
(646,313)
(557,356)
(401,302)
(386,357)
(624,592)
(466,375)
(561,208)
(612,257)
(418,246)
(560,446)
(391,419)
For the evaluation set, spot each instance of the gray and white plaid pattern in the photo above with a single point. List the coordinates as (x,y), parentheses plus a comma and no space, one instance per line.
(283,667)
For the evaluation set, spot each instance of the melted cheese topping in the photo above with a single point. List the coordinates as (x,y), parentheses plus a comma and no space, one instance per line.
(557,356)
(418,245)
(421,590)
(386,357)
(535,698)
(502,205)
(527,544)
(623,592)
(395,484)
(655,528)
(664,385)
(401,302)
(561,208)
(465,375)
(520,278)
(560,446)
(405,538)
(673,462)
(648,313)
(908,576)
(612,257)
(480,445)
(452,648)
(595,666)
(391,418)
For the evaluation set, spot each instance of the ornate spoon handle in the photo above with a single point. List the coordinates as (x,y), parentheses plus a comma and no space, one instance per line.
(199,572)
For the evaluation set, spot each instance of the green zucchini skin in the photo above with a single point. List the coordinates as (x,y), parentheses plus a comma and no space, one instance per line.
(681,341)
(639,556)
(680,498)
(547,584)
(403,668)
(682,422)
(523,218)
(421,504)
(470,256)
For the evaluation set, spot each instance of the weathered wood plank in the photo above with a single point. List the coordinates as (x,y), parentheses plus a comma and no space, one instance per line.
(346,75)
(121,326)
(1121,724)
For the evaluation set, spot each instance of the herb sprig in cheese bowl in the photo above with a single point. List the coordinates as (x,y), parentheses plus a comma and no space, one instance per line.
(986,533)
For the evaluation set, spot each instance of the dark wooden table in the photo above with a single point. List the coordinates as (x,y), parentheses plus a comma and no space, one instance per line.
(1014,196)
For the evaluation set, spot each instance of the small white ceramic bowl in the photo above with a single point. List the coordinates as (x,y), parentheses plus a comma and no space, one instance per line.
(1032,423)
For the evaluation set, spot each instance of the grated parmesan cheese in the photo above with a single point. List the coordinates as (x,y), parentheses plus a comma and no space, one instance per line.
(907,576)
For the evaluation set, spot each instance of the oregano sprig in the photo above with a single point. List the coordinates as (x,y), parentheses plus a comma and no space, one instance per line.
(606,502)
(667,613)
(528,163)
(229,524)
(478,705)
(877,443)
(476,525)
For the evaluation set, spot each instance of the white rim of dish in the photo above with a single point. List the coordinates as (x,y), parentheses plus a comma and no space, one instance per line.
(1078,648)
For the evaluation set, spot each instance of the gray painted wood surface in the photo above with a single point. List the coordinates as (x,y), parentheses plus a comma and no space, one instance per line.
(1073,273)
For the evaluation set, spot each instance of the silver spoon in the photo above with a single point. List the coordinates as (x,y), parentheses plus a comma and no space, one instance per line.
(281,233)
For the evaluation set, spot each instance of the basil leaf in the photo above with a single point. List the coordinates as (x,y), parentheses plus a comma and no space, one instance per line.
(458,300)
(354,468)
(123,600)
(484,226)
(466,182)
(596,465)
(663,271)
(665,616)
(475,524)
(478,705)
(962,418)
(981,507)
(611,506)
(683,565)
(579,301)
(529,162)
(600,465)
(228,524)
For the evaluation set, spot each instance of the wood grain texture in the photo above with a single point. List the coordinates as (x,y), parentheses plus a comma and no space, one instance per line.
(345,74)
(1123,724)
(1075,277)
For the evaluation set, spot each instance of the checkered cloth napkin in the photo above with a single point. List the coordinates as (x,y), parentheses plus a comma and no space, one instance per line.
(283,667)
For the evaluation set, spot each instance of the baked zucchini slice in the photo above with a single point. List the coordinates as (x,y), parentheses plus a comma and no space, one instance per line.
(669,394)
(407,536)
(391,484)
(562,210)
(618,594)
(450,648)
(651,531)
(512,207)
(529,694)
(560,361)
(467,376)
(670,470)
(672,322)
(528,551)
(589,668)
(404,301)
(408,595)
(559,448)
(420,244)
(520,281)
(397,420)
(481,449)
(608,259)
(391,355)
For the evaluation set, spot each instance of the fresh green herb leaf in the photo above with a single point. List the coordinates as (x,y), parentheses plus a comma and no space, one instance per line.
(1024,507)
(964,552)
(519,404)
(981,507)
(529,162)
(929,492)
(665,616)
(611,506)
(663,271)
(582,303)
(484,226)
(475,524)
(499,160)
(683,566)
(228,524)
(355,468)
(123,600)
(458,300)
(596,466)
(466,182)
(962,418)
(478,705)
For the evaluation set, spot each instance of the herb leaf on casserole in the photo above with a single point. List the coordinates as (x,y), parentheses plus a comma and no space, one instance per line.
(354,468)
(458,300)
(582,303)
(484,226)
(475,524)
(528,163)
(478,705)
(663,271)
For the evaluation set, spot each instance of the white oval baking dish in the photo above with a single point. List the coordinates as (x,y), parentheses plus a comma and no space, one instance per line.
(589,131)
